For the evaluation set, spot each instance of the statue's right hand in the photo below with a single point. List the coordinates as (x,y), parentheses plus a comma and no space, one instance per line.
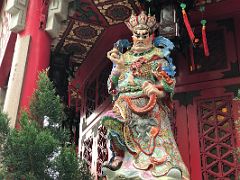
(115,57)
(149,88)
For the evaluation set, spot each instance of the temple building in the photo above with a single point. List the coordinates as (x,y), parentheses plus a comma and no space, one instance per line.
(72,37)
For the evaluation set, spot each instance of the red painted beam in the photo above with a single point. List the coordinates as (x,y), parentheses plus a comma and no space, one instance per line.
(207,85)
(6,64)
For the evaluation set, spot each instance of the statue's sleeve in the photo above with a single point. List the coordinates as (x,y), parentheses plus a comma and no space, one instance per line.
(164,73)
(112,82)
(169,79)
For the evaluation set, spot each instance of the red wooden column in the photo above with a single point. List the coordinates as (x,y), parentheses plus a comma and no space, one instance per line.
(39,50)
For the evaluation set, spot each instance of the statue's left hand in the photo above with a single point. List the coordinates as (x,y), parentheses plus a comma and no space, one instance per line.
(116,58)
(149,88)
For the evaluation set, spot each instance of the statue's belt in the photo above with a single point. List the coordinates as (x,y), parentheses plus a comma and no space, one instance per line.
(141,110)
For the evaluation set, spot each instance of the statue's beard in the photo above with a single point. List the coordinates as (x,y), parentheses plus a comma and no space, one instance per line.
(141,46)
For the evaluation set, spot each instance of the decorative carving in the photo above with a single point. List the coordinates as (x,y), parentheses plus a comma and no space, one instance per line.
(118,12)
(57,13)
(80,40)
(216,139)
(87,154)
(85,32)
(18,10)
(83,11)
(102,149)
(114,13)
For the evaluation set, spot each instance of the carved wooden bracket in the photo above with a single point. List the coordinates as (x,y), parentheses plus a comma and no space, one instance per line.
(57,13)
(17,9)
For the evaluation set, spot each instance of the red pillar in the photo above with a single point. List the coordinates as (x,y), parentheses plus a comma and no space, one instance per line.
(39,50)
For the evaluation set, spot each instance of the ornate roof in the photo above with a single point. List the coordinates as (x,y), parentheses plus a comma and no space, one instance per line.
(87,21)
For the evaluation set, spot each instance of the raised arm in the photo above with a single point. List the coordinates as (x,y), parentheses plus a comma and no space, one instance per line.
(115,56)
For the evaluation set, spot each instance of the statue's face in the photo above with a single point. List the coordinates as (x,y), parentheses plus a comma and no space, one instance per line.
(141,40)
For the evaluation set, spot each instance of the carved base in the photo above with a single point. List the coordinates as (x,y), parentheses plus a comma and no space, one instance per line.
(129,172)
(114,175)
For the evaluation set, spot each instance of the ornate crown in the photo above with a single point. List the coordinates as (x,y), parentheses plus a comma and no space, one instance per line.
(142,21)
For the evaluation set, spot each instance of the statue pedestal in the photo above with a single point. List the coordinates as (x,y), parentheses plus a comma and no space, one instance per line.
(129,172)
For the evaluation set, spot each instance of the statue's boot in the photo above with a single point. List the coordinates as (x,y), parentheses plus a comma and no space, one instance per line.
(175,173)
(116,161)
(114,164)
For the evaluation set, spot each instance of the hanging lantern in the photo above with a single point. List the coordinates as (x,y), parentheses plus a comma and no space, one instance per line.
(187,24)
(204,37)
(168,26)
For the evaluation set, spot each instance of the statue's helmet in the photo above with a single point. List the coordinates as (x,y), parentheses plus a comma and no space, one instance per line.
(142,21)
